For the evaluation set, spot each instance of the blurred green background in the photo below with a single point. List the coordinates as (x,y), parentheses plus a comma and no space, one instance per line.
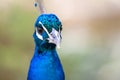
(90,45)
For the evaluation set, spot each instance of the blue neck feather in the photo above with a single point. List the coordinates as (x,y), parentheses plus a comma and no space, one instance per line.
(45,63)
(45,66)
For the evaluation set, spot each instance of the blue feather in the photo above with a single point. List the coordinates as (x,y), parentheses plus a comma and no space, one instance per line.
(45,63)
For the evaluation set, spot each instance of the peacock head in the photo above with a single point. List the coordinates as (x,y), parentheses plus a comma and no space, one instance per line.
(47,33)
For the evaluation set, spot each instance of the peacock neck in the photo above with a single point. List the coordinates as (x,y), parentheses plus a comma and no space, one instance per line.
(45,66)
(47,52)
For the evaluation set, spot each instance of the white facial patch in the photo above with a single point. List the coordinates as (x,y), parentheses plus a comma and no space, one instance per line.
(54,36)
(56,39)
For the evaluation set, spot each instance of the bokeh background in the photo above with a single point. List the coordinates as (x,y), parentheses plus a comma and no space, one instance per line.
(90,48)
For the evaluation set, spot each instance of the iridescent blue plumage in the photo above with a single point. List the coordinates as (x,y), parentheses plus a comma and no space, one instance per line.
(49,21)
(45,64)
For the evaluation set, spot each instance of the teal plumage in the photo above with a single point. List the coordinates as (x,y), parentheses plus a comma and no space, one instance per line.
(45,63)
(49,21)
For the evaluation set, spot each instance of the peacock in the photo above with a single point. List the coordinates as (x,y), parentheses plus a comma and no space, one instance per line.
(45,63)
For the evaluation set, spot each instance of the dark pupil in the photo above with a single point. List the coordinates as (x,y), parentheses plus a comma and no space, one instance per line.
(60,28)
(40,30)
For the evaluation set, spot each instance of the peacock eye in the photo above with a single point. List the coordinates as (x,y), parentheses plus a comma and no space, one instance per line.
(40,30)
(60,28)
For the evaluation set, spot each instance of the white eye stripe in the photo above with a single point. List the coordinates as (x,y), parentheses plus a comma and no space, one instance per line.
(45,30)
(40,36)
